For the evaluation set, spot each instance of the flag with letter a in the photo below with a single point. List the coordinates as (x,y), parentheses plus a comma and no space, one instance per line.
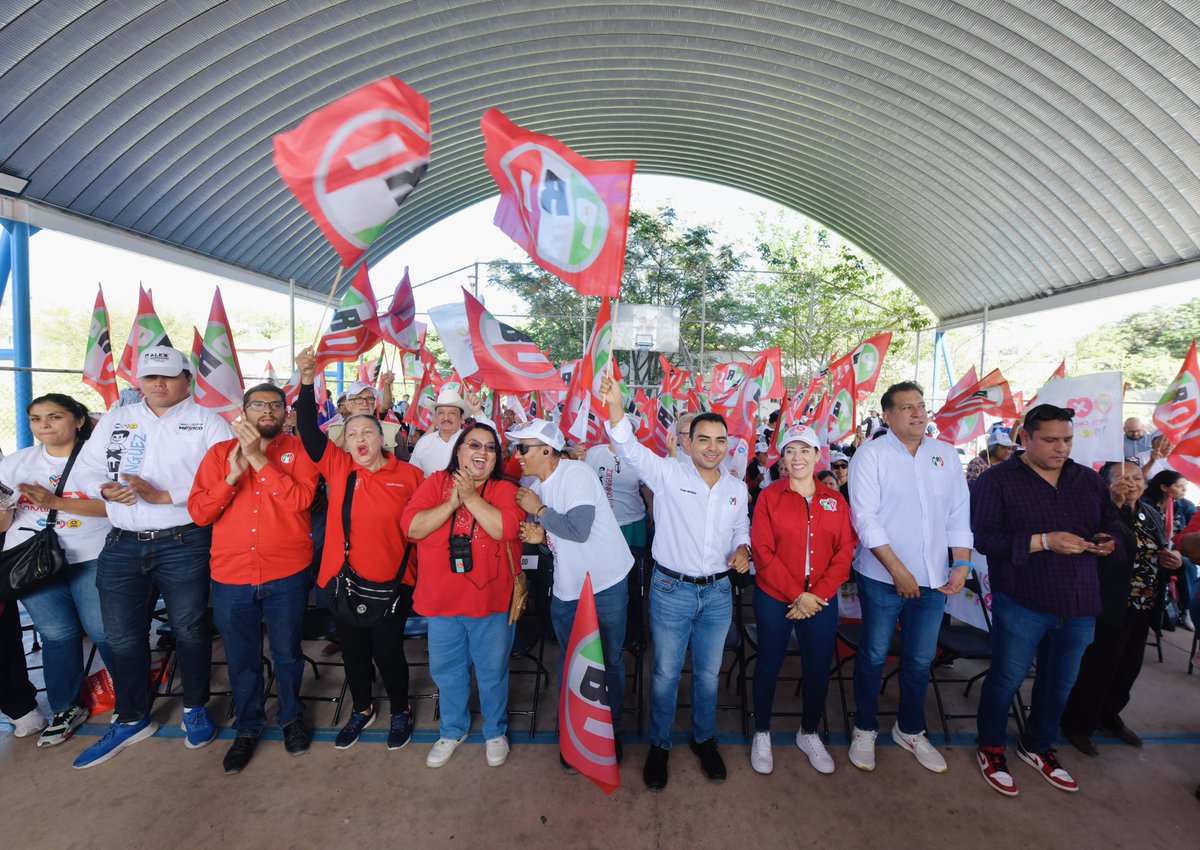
(586,737)
(98,370)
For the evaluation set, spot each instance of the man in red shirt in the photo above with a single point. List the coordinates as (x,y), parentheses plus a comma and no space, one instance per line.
(255,491)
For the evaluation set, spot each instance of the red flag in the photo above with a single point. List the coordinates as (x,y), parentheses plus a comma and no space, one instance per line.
(291,390)
(1185,457)
(147,331)
(98,370)
(348,336)
(781,425)
(741,408)
(352,163)
(399,325)
(1060,372)
(586,737)
(961,418)
(218,377)
(726,379)
(673,389)
(507,359)
(1179,408)
(841,415)
(570,214)
(650,432)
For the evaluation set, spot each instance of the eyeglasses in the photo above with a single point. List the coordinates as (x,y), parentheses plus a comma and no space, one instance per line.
(263,405)
(361,399)
(475,445)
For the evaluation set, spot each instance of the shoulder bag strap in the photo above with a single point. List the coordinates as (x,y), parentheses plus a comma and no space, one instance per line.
(351,480)
(62,482)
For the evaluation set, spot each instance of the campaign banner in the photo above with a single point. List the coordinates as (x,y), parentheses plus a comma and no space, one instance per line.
(1097,402)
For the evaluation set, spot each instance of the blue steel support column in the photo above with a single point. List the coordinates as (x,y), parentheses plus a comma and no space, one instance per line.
(22,342)
(341,378)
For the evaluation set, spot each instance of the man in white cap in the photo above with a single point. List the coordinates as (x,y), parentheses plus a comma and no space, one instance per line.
(432,452)
(141,460)
(574,519)
(362,398)
(999,449)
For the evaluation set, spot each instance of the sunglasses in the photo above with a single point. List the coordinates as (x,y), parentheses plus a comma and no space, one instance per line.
(475,445)
(524,448)
(1051,413)
(839,465)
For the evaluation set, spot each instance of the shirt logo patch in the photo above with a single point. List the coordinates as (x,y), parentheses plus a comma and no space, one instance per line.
(937,461)
(733,500)
(191,426)
(829,505)
(286,457)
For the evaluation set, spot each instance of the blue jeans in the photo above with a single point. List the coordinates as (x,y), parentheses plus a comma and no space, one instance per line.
(1018,635)
(129,574)
(240,611)
(611,604)
(920,620)
(455,644)
(682,615)
(63,613)
(815,636)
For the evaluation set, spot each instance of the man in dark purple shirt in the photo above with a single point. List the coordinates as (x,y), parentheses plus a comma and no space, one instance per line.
(1042,520)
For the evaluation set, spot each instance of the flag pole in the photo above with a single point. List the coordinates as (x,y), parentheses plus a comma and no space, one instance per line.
(328,300)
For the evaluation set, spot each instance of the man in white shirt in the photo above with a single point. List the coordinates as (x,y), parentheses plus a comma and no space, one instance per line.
(141,460)
(433,450)
(702,535)
(362,398)
(910,503)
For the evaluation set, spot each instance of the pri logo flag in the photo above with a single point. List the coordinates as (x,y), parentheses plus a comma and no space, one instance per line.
(98,370)
(349,335)
(961,417)
(584,415)
(1179,408)
(218,377)
(399,325)
(586,741)
(570,214)
(840,416)
(867,357)
(507,359)
(147,331)
(352,163)
(1185,457)
(739,410)
(726,379)
(673,391)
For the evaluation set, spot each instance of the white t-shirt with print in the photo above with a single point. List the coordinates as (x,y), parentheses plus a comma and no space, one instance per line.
(620,483)
(82,537)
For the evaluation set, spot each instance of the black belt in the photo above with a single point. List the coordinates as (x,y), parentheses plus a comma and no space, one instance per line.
(693,579)
(157,533)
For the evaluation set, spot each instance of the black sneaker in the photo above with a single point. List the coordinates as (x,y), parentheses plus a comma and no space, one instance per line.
(711,763)
(401,732)
(654,774)
(296,737)
(62,726)
(240,753)
(359,720)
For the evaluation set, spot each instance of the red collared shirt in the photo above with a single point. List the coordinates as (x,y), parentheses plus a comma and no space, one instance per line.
(786,526)
(261,525)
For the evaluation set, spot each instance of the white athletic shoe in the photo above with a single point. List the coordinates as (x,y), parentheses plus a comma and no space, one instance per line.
(920,747)
(812,746)
(760,753)
(442,749)
(862,749)
(29,724)
(497,751)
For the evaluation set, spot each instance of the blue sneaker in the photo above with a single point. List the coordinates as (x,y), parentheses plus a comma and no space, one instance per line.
(198,726)
(118,737)
(401,732)
(359,720)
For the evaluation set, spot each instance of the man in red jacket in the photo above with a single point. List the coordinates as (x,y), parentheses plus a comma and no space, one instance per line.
(255,491)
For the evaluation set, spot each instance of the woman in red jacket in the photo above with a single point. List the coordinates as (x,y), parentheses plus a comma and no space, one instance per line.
(465,520)
(803,543)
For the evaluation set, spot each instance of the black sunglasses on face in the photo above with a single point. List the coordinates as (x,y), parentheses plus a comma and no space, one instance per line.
(839,465)
(524,448)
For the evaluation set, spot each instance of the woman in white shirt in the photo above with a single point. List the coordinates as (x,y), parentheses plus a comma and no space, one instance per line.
(66,609)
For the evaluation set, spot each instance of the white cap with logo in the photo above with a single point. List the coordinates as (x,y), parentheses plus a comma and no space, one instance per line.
(542,431)
(800,433)
(161,360)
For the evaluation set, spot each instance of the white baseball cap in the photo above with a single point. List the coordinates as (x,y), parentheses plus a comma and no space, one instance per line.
(839,457)
(1000,438)
(800,433)
(161,360)
(357,387)
(542,431)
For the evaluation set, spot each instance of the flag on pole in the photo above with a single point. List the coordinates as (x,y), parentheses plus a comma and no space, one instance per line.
(866,361)
(586,737)
(352,163)
(842,413)
(369,371)
(506,359)
(98,370)
(961,418)
(271,376)
(570,214)
(218,378)
(1179,408)
(398,324)
(348,335)
(726,378)
(1185,457)
(147,331)
(291,390)
(762,378)
(673,391)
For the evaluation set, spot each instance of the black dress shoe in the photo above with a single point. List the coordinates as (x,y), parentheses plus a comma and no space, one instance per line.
(1125,735)
(654,774)
(240,753)
(296,737)
(1081,742)
(711,763)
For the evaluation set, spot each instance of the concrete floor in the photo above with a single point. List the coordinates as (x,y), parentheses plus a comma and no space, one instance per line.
(159,794)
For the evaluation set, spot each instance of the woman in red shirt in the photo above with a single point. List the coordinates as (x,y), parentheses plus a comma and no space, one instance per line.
(465,520)
(382,489)
(803,543)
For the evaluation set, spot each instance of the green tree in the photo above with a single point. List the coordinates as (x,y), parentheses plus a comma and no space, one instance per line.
(1147,346)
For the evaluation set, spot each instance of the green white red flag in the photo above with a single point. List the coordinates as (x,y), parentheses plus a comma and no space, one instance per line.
(569,213)
(352,163)
(98,370)
(866,360)
(506,359)
(218,383)
(961,418)
(1178,410)
(763,379)
(348,336)
(147,331)
(398,324)
(271,376)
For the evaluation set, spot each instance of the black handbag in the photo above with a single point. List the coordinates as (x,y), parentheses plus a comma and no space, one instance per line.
(39,559)
(354,599)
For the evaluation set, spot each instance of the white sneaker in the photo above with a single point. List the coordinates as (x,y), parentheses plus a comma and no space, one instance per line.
(862,749)
(920,747)
(497,751)
(760,753)
(29,724)
(442,749)
(812,746)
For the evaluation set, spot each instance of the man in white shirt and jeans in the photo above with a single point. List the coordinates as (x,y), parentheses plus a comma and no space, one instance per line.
(702,535)
(910,504)
(141,460)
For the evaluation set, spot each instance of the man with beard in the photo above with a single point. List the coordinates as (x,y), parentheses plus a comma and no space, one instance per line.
(255,491)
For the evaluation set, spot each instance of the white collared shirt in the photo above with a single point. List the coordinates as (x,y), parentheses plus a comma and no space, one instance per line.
(917,504)
(165,450)
(696,527)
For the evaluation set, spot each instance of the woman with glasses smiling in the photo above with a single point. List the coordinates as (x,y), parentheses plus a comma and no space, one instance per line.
(465,519)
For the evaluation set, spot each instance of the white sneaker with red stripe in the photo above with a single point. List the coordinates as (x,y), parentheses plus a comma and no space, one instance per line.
(994,767)
(1047,765)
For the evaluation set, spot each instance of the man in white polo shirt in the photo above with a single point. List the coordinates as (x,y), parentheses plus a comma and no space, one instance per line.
(575,522)
(362,398)
(702,535)
(910,505)
(142,459)
(432,452)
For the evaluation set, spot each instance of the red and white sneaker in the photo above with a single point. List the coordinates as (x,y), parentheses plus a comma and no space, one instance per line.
(1047,765)
(994,767)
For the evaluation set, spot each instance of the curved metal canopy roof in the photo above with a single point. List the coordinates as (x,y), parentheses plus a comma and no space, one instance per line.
(990,153)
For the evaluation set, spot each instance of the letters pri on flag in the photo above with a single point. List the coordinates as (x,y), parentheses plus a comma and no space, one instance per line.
(570,214)
(349,335)
(352,163)
(506,358)
(1179,408)
(218,377)
(98,370)
(147,331)
(585,719)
